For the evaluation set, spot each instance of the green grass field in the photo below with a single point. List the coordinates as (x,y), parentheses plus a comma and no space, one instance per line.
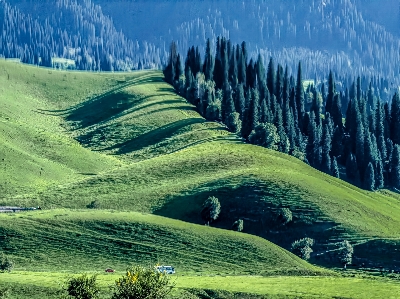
(48,284)
(130,143)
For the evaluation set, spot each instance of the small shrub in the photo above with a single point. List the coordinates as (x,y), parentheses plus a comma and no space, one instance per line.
(94,205)
(5,293)
(302,248)
(266,135)
(238,225)
(142,283)
(6,264)
(83,287)
(345,252)
(211,209)
(285,216)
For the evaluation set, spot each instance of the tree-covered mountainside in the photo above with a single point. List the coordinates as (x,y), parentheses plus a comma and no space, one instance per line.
(338,35)
(269,107)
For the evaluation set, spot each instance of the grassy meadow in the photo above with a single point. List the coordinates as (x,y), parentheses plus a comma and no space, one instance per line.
(150,160)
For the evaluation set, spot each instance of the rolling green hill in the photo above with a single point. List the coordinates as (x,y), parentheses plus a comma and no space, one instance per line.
(130,143)
(145,149)
(107,239)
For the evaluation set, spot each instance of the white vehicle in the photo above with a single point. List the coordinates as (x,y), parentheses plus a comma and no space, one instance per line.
(166,269)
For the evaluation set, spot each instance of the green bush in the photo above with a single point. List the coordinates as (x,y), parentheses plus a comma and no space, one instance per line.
(142,283)
(83,287)
(4,293)
(238,225)
(211,209)
(285,216)
(95,204)
(265,134)
(345,252)
(302,248)
(6,264)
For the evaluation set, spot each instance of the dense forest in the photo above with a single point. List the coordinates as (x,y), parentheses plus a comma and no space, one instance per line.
(98,35)
(351,134)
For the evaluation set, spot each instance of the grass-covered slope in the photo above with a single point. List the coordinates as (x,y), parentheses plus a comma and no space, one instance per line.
(35,150)
(74,241)
(129,142)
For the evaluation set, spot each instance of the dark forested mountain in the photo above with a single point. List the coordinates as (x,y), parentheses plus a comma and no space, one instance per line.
(339,35)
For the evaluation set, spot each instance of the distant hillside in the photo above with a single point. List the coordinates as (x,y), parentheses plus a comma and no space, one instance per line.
(342,35)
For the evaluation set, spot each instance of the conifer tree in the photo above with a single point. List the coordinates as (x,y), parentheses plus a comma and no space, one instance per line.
(358,94)
(380,130)
(352,168)
(379,176)
(331,93)
(244,51)
(286,88)
(271,81)
(281,130)
(225,66)
(290,128)
(387,120)
(170,70)
(395,119)
(251,115)
(218,68)
(336,111)
(233,71)
(369,156)
(198,67)
(337,142)
(359,142)
(326,148)
(335,168)
(264,112)
(349,121)
(316,106)
(178,68)
(240,101)
(371,103)
(260,69)
(395,167)
(369,178)
(251,74)
(227,106)
(372,121)
(242,66)
(388,162)
(311,139)
(300,94)
(208,67)
(279,85)
(190,86)
(345,101)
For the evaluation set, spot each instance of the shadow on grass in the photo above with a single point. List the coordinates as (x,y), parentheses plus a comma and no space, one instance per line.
(106,105)
(379,253)
(155,136)
(258,205)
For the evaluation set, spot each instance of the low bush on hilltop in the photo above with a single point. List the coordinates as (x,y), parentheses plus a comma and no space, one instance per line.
(302,248)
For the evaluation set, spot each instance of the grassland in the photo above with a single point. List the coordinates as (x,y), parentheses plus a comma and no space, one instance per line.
(130,143)
(101,239)
(48,284)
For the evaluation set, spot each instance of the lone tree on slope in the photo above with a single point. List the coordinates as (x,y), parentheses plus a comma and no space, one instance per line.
(211,209)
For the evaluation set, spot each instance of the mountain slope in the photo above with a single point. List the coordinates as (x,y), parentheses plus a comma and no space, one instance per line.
(340,35)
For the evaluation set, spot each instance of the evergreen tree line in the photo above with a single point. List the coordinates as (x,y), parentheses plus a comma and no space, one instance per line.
(37,32)
(361,46)
(351,134)
(73,30)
